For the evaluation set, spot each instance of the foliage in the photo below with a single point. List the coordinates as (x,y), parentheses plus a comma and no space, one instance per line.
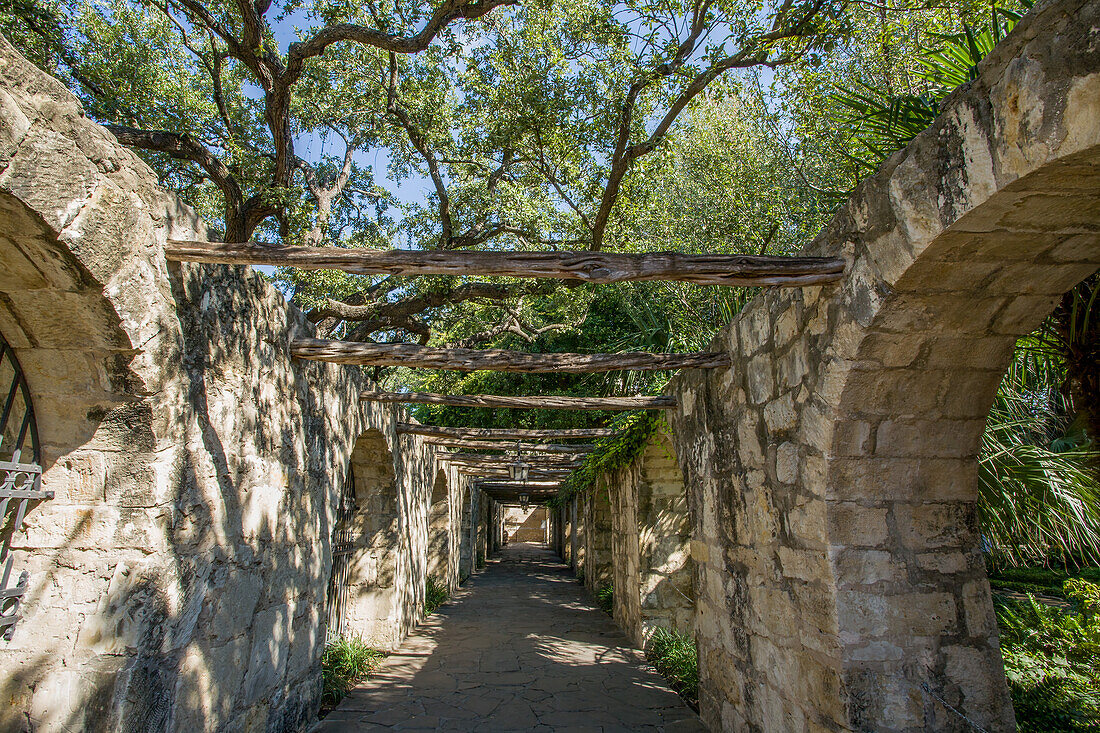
(345,661)
(676,657)
(435,595)
(480,560)
(1052,659)
(1037,487)
(1038,580)
(881,122)
(605,598)
(633,431)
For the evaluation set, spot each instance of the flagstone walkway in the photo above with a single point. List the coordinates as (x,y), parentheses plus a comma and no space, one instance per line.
(520,647)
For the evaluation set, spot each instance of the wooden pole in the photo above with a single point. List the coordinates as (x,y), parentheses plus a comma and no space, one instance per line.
(503,446)
(497,360)
(559,459)
(541,402)
(593,267)
(433,431)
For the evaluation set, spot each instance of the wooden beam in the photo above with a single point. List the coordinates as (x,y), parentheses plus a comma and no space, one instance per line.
(558,459)
(499,473)
(593,267)
(517,485)
(405,428)
(503,446)
(498,360)
(540,402)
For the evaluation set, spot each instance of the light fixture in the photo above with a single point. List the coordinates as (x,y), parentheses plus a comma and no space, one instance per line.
(524,501)
(518,470)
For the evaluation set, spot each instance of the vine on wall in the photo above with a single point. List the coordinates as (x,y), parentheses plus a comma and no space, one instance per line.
(633,431)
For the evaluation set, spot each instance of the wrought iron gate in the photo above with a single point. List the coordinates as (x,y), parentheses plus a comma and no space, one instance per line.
(343,544)
(21,468)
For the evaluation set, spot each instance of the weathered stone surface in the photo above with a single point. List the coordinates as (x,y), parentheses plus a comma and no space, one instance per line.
(178,578)
(861,557)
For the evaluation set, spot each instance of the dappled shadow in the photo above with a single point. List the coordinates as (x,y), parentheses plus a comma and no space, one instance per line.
(519,647)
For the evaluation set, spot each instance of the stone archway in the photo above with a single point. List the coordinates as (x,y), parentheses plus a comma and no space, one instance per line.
(374,606)
(831,472)
(439,529)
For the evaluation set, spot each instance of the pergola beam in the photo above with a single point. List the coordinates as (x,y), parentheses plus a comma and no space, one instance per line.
(540,402)
(528,447)
(433,431)
(416,356)
(555,460)
(593,267)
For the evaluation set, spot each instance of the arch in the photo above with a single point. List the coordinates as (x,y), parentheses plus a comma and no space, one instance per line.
(650,532)
(440,550)
(373,608)
(831,471)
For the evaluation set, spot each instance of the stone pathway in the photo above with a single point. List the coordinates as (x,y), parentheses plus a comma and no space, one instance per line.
(520,647)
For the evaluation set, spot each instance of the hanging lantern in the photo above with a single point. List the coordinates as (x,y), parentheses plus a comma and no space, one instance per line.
(524,501)
(518,470)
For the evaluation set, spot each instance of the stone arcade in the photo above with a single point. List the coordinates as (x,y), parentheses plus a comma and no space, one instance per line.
(809,515)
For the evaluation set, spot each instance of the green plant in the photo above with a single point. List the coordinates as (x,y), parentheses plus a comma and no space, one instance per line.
(633,430)
(605,597)
(435,595)
(676,657)
(480,560)
(345,661)
(1037,486)
(1052,659)
(882,123)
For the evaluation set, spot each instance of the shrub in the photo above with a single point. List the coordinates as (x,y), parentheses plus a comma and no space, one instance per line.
(605,597)
(1052,659)
(435,595)
(344,662)
(676,657)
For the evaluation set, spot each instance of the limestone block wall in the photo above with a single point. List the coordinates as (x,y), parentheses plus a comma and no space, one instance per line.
(650,535)
(525,525)
(596,508)
(831,471)
(178,578)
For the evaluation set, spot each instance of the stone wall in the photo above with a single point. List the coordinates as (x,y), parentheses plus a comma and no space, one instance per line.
(525,525)
(649,536)
(597,540)
(831,472)
(178,576)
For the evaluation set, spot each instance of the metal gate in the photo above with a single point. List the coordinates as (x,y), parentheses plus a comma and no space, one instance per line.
(21,482)
(343,544)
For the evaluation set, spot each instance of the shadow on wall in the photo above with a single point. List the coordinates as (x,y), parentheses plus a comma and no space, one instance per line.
(525,525)
(439,528)
(178,577)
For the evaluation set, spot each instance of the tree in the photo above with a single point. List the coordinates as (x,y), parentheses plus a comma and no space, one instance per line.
(525,123)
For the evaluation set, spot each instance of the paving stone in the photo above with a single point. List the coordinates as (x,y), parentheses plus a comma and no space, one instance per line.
(519,648)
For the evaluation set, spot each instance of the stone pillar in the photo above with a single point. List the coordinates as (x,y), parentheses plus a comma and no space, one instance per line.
(598,537)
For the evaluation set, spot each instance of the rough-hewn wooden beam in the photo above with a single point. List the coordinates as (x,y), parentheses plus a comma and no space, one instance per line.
(504,433)
(498,360)
(505,446)
(517,485)
(593,267)
(558,459)
(539,402)
(498,473)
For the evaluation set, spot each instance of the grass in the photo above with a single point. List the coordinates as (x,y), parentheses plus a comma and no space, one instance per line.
(605,597)
(676,657)
(1052,659)
(345,661)
(435,595)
